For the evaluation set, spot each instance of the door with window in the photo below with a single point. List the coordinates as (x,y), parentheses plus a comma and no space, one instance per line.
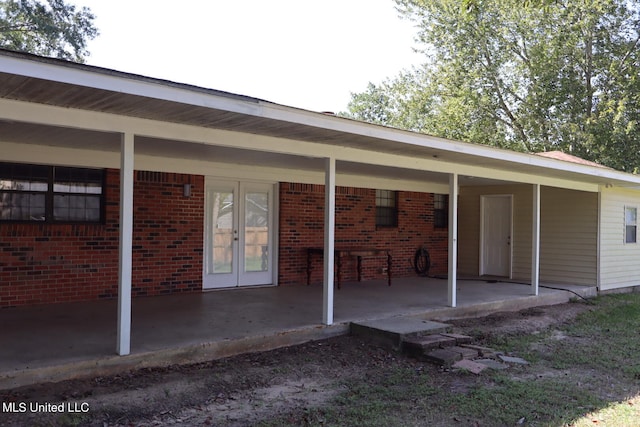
(495,239)
(239,234)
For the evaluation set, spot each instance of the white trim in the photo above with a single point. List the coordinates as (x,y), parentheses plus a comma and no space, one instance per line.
(275,257)
(123,345)
(56,116)
(452,297)
(481,257)
(329,240)
(237,277)
(109,80)
(32,153)
(535,242)
(104,79)
(599,243)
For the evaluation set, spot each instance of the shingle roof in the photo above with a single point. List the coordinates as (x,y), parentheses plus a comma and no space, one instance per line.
(559,155)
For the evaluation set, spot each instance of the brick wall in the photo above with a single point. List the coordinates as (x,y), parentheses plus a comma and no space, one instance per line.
(51,263)
(167,234)
(302,226)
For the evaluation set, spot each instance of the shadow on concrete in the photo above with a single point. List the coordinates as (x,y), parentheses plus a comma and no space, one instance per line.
(62,341)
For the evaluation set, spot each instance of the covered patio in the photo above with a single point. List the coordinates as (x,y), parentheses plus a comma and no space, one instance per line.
(168,150)
(57,342)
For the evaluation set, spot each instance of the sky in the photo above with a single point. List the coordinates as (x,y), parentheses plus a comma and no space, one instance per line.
(309,54)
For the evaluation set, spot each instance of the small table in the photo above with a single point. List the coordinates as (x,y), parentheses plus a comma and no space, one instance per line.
(358,252)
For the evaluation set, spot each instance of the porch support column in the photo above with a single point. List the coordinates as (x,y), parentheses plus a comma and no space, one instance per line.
(535,241)
(453,239)
(123,346)
(329,239)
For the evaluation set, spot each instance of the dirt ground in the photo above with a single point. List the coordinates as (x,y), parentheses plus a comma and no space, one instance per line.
(248,389)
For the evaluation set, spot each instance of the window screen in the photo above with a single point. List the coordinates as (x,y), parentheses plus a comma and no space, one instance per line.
(440,210)
(386,208)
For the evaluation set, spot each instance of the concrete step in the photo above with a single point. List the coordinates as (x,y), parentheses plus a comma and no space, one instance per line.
(443,349)
(419,345)
(394,330)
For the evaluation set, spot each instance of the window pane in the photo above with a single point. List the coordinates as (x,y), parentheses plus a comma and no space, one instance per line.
(24,172)
(440,218)
(386,212)
(385,216)
(630,234)
(440,210)
(256,237)
(223,232)
(93,188)
(385,198)
(76,180)
(77,187)
(22,206)
(76,208)
(630,215)
(21,185)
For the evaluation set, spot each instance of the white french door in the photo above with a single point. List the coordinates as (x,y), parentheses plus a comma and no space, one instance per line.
(495,239)
(238,234)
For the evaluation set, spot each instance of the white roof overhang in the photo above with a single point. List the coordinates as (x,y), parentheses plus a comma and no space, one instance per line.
(37,95)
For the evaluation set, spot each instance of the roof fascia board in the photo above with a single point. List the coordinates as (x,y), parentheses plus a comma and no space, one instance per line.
(64,117)
(83,75)
(476,150)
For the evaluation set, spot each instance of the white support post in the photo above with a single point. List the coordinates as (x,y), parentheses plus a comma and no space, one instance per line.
(535,241)
(329,239)
(453,240)
(123,346)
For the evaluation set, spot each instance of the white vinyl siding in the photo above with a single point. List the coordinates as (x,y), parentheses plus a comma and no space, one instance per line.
(568,233)
(619,261)
(568,236)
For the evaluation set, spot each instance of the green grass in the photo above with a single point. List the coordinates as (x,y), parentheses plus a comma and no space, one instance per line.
(591,377)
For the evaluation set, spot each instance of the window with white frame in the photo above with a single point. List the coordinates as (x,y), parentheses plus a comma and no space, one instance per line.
(630,224)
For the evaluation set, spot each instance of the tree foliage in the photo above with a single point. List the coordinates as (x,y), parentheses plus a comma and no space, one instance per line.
(50,28)
(558,75)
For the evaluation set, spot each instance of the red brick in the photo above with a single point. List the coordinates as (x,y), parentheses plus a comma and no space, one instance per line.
(302,226)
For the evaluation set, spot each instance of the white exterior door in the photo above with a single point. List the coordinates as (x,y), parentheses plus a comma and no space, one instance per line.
(238,234)
(495,239)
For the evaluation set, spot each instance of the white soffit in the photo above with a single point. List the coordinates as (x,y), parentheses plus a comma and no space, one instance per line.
(296,123)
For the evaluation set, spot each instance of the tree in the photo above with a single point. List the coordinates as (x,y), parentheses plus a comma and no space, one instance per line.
(52,28)
(562,75)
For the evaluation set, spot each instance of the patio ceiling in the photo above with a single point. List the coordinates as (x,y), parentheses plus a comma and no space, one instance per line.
(37,134)
(62,84)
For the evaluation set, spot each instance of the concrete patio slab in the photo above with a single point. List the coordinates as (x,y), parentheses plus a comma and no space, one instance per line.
(57,342)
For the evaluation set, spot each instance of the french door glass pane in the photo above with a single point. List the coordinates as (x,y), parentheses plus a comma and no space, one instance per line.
(256,232)
(223,232)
